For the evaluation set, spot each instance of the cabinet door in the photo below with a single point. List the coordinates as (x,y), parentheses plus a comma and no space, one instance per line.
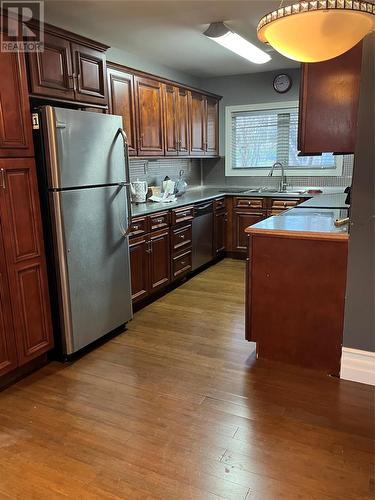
(149,100)
(23,242)
(8,354)
(243,219)
(91,74)
(212,127)
(139,266)
(220,230)
(328,108)
(183,122)
(171,120)
(159,259)
(51,71)
(122,103)
(15,118)
(197,124)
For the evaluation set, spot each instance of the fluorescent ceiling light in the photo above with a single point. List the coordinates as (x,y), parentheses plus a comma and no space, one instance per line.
(221,34)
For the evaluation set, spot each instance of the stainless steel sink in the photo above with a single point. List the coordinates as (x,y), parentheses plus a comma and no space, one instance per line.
(274,191)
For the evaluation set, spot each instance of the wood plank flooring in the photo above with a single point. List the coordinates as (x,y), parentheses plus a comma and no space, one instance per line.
(178,408)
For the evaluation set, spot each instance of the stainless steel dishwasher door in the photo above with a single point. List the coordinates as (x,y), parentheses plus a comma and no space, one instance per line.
(202,235)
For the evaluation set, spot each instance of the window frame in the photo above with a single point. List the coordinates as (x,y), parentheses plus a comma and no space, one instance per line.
(263,172)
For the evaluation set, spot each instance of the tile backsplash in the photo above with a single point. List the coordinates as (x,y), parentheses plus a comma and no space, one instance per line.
(213,174)
(154,171)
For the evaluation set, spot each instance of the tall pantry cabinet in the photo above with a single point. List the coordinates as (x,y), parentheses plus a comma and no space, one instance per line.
(25,320)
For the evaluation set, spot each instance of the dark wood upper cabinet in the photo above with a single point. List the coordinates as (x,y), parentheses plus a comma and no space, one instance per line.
(183,122)
(163,118)
(91,72)
(171,120)
(51,71)
(71,68)
(329,96)
(15,117)
(149,99)
(212,126)
(160,273)
(122,103)
(197,124)
(24,252)
(8,353)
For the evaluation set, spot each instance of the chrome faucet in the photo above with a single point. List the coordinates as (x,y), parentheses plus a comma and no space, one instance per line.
(283,182)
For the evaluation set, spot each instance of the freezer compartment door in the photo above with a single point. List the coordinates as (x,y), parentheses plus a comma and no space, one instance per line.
(83,148)
(93,263)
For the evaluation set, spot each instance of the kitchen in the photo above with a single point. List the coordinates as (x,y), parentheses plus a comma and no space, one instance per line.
(207,344)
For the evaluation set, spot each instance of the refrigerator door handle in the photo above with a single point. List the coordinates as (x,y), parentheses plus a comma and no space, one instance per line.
(127,178)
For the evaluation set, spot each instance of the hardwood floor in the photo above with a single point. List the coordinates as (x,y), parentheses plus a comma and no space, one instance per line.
(178,408)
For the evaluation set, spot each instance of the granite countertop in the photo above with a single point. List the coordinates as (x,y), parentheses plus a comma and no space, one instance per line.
(196,195)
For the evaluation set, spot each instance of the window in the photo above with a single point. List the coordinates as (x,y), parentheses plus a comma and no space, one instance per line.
(259,135)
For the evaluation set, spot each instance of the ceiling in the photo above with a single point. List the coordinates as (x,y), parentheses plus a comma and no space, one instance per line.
(169,32)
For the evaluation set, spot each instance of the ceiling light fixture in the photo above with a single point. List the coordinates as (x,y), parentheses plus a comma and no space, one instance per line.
(221,34)
(317,30)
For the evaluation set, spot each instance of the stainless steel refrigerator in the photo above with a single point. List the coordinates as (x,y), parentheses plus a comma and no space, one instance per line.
(85,183)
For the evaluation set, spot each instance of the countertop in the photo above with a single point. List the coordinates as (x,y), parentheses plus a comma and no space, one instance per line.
(196,195)
(304,221)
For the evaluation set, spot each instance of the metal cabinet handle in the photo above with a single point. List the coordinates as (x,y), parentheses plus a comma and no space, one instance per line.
(135,228)
(159,221)
(127,178)
(183,263)
(3,184)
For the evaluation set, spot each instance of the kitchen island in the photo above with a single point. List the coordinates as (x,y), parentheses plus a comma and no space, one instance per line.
(296,277)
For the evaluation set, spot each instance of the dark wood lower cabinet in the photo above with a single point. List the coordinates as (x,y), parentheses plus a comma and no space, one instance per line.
(241,220)
(8,353)
(160,273)
(220,232)
(149,263)
(139,264)
(24,257)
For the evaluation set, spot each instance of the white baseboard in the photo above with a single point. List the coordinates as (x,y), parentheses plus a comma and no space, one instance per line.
(358,366)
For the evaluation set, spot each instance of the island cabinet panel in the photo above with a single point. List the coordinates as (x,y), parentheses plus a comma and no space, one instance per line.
(198,124)
(122,103)
(8,353)
(149,99)
(329,95)
(305,328)
(90,69)
(159,259)
(171,120)
(140,267)
(24,249)
(15,118)
(51,71)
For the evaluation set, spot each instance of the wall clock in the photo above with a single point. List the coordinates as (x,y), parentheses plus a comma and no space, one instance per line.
(282,83)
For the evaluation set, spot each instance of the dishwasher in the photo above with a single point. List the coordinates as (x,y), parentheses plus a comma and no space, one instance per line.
(202,234)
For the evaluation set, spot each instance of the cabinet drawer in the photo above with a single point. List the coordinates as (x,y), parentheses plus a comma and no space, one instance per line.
(283,203)
(249,202)
(182,215)
(219,204)
(159,221)
(138,227)
(181,264)
(181,238)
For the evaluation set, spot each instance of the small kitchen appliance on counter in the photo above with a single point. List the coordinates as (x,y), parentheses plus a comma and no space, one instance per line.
(139,191)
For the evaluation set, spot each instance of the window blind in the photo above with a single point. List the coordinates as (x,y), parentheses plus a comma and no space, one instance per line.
(260,138)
